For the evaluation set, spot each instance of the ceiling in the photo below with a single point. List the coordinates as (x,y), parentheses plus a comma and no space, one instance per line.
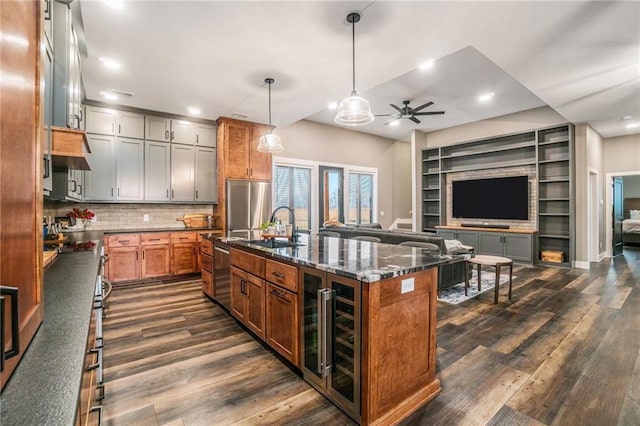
(582,58)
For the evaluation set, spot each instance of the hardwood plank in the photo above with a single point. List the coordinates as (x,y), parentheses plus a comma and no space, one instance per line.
(507,416)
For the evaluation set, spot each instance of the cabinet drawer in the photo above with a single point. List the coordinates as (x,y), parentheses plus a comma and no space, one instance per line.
(206,247)
(123,240)
(248,262)
(155,238)
(183,237)
(207,283)
(284,275)
(206,263)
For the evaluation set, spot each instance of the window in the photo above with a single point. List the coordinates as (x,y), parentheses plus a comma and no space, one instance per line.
(292,188)
(360,198)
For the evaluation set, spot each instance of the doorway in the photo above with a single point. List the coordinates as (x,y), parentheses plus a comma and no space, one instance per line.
(331,190)
(608,217)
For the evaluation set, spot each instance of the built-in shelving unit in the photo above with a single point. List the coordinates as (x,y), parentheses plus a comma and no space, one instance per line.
(431,189)
(555,192)
(550,150)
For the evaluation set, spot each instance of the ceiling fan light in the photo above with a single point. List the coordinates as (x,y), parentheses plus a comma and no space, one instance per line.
(271,143)
(354,111)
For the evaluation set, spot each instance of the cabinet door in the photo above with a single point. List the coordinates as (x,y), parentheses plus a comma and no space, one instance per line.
(75,189)
(446,234)
(157,129)
(47,59)
(260,162)
(75,98)
(238,297)
(236,154)
(130,169)
(182,173)
(183,258)
(469,238)
(490,243)
(100,120)
(130,124)
(282,322)
(156,261)
(124,264)
(254,289)
(100,182)
(206,188)
(518,247)
(157,171)
(207,284)
(205,135)
(183,132)
(61,54)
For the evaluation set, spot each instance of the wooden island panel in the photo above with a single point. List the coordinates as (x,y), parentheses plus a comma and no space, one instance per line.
(399,347)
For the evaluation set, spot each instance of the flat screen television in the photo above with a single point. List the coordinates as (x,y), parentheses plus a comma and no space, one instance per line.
(504,198)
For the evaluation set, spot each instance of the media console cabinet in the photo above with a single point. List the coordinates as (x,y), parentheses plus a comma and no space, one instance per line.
(516,244)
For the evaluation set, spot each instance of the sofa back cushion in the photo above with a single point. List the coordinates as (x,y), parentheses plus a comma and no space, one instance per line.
(388,237)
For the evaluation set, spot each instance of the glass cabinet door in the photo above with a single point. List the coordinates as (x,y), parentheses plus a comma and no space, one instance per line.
(312,281)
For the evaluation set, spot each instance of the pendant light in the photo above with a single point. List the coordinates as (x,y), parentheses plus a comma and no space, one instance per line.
(354,110)
(270,142)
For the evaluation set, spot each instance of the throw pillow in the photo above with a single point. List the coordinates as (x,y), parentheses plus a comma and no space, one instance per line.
(634,214)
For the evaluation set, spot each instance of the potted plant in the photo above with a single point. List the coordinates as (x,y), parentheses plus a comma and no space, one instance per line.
(268,228)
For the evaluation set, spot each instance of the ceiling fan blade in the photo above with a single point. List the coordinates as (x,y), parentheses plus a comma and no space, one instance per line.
(429,113)
(421,107)
(396,108)
(415,120)
(385,115)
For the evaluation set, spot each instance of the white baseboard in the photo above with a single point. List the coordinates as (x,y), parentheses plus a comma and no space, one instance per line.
(601,256)
(581,264)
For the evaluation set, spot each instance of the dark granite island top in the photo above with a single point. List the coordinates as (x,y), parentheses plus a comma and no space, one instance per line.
(360,260)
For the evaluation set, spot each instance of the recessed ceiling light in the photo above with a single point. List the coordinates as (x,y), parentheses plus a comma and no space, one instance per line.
(332,105)
(193,110)
(632,125)
(394,123)
(626,117)
(486,97)
(109,95)
(116,4)
(110,63)
(427,65)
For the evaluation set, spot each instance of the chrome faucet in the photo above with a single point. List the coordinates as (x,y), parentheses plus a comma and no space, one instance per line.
(292,221)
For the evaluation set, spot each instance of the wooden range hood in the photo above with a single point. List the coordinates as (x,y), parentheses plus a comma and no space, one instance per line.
(69,148)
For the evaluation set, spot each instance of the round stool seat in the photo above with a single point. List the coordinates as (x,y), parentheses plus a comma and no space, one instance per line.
(484,259)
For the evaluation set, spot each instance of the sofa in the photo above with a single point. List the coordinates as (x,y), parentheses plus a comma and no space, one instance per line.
(449,274)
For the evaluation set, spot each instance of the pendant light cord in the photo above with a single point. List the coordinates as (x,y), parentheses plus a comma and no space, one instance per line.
(269,104)
(353,54)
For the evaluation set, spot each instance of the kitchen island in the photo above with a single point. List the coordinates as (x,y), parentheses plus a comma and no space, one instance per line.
(357,318)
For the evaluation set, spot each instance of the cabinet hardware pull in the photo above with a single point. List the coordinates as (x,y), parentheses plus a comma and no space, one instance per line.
(251,172)
(75,186)
(197,139)
(98,409)
(118,192)
(167,193)
(172,193)
(173,135)
(281,294)
(154,239)
(15,324)
(247,172)
(278,274)
(196,194)
(46,168)
(142,254)
(123,241)
(119,129)
(166,134)
(113,127)
(95,352)
(80,190)
(100,392)
(136,255)
(112,192)
(47,10)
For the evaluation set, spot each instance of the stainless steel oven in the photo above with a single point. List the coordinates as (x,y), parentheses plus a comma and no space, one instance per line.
(221,274)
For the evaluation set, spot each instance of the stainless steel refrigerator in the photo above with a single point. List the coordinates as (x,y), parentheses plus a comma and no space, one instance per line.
(248,206)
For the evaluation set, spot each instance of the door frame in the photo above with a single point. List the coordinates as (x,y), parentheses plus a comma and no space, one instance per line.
(593,201)
(342,196)
(609,207)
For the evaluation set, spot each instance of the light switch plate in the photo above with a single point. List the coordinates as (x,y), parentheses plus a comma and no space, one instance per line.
(145,218)
(408,285)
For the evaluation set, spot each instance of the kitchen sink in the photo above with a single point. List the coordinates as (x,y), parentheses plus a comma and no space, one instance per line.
(273,243)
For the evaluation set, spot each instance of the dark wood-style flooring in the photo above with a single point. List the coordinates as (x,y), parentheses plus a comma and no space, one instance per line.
(565,351)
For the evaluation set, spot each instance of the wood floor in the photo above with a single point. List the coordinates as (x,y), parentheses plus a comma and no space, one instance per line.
(565,351)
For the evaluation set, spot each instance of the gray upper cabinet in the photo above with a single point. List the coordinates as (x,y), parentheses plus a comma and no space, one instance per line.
(157,171)
(157,129)
(47,182)
(100,182)
(183,132)
(182,173)
(100,120)
(130,124)
(205,175)
(205,135)
(130,169)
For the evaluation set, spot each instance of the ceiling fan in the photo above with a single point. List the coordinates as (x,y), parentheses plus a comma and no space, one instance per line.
(410,113)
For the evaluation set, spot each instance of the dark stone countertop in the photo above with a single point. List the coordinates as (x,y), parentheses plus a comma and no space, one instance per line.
(361,260)
(44,389)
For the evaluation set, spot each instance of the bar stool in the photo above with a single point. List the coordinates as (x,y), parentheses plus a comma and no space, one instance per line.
(495,261)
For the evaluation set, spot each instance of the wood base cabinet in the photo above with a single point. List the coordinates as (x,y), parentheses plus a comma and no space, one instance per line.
(206,267)
(124,264)
(282,322)
(156,255)
(247,300)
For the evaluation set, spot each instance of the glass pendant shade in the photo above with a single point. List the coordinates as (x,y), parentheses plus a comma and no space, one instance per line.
(270,142)
(354,111)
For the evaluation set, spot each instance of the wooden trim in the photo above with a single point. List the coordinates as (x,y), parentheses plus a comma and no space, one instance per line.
(501,230)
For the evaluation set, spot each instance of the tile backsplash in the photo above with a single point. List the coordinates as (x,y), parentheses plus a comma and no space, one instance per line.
(129,215)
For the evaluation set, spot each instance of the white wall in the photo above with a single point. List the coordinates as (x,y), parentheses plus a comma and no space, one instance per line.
(308,140)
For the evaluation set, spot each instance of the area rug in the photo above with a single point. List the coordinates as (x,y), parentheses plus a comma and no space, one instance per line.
(455,294)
